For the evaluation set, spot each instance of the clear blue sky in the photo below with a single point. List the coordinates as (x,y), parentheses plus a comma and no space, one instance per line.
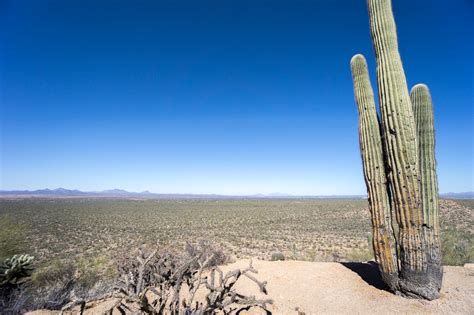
(228,97)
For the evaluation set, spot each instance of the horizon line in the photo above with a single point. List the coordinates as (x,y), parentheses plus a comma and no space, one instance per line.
(274,194)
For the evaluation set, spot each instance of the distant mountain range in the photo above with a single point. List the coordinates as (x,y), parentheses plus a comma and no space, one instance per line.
(120,193)
(460,195)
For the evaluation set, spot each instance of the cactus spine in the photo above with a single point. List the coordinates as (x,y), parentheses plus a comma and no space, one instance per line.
(406,145)
(374,173)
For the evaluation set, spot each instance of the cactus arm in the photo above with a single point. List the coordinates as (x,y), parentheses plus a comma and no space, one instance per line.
(423,109)
(370,141)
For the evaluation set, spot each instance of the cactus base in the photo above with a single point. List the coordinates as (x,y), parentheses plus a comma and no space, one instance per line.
(391,280)
(421,284)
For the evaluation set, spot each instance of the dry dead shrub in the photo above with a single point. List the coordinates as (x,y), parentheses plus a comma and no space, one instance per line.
(155,282)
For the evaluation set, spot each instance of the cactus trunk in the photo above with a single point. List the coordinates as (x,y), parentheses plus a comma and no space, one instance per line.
(402,152)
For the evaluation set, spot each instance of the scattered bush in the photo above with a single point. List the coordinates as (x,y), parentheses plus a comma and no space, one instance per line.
(359,255)
(95,269)
(277,256)
(12,236)
(457,247)
(53,272)
(55,284)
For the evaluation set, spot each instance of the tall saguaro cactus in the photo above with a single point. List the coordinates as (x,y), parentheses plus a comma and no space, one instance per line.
(406,161)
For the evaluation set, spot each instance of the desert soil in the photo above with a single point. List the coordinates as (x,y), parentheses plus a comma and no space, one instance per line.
(344,288)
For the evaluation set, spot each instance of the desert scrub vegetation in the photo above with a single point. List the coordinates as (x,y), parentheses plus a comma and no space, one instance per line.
(80,244)
(148,280)
(158,283)
(53,285)
(467,203)
(12,236)
(78,230)
(457,247)
(84,228)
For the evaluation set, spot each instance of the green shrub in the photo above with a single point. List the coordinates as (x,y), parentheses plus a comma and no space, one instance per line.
(359,255)
(95,269)
(54,284)
(277,256)
(457,247)
(53,272)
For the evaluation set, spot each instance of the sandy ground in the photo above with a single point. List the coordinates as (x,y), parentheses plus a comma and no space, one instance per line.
(346,288)
(352,288)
